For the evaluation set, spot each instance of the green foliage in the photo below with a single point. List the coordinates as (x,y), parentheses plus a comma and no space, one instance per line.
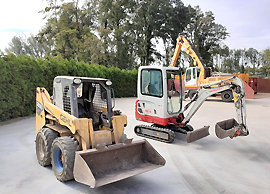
(69,26)
(265,59)
(117,33)
(19,77)
(205,34)
(22,45)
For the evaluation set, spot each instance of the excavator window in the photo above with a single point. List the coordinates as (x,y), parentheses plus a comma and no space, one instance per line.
(151,80)
(198,72)
(174,92)
(188,75)
(194,73)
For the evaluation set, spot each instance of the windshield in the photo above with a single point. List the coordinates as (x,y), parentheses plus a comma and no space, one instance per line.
(151,82)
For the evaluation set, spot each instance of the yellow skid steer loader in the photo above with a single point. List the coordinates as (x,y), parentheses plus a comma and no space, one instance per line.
(79,133)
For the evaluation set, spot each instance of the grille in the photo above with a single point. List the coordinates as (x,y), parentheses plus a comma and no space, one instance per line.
(99,104)
(66,100)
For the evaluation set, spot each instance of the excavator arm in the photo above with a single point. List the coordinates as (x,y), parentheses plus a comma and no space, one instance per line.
(185,43)
(228,128)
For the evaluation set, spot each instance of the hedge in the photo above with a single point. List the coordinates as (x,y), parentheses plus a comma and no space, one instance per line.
(19,77)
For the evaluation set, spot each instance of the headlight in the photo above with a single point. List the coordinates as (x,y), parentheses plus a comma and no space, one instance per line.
(77,81)
(108,83)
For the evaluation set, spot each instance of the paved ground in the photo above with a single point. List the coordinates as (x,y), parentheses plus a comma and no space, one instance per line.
(209,165)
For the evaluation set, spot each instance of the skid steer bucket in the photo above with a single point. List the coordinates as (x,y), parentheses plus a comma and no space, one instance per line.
(198,134)
(226,128)
(97,167)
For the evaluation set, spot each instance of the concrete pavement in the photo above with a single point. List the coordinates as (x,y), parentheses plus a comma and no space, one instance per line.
(209,165)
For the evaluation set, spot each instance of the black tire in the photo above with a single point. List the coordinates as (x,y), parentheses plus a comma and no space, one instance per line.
(63,157)
(227,96)
(191,93)
(44,139)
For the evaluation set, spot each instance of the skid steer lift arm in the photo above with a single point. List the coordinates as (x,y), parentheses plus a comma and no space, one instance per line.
(229,127)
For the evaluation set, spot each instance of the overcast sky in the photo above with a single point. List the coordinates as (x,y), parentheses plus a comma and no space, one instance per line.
(247,21)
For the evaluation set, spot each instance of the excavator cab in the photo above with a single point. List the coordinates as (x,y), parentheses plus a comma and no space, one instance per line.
(160,93)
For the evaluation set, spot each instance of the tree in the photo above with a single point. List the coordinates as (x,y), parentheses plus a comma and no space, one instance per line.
(175,19)
(252,55)
(204,34)
(69,25)
(157,19)
(116,15)
(22,45)
(265,58)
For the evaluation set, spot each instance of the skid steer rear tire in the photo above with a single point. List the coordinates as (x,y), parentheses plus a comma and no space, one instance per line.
(63,157)
(44,139)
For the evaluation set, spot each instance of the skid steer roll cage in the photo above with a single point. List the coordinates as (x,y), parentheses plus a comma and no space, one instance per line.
(71,104)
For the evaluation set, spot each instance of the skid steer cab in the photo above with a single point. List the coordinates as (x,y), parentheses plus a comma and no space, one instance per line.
(160,95)
(82,136)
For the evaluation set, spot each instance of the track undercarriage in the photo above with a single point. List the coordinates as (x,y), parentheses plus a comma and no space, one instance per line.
(161,133)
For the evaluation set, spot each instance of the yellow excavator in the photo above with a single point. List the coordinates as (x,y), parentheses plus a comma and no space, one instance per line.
(200,74)
(80,134)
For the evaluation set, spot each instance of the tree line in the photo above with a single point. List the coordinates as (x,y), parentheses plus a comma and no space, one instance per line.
(125,34)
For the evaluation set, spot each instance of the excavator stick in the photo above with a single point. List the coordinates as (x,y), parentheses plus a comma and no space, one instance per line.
(104,165)
(198,134)
(226,128)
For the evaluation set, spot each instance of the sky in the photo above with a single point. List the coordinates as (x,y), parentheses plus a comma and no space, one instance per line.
(247,21)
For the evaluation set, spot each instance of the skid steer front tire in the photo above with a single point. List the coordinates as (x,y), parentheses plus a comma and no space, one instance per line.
(44,139)
(63,157)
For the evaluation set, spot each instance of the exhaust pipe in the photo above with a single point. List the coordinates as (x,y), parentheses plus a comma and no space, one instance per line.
(104,165)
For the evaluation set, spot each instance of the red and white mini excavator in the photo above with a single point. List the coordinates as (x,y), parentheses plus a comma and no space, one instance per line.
(159,102)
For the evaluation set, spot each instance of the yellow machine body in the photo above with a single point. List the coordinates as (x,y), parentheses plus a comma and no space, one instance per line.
(104,155)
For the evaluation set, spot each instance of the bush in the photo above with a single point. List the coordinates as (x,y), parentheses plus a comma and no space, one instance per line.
(20,76)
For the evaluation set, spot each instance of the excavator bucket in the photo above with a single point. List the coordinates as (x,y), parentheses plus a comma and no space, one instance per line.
(197,134)
(226,128)
(97,167)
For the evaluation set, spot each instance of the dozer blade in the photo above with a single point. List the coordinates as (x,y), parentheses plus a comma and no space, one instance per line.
(97,167)
(197,134)
(226,128)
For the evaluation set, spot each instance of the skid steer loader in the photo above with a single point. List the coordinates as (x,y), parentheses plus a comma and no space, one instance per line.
(159,102)
(79,133)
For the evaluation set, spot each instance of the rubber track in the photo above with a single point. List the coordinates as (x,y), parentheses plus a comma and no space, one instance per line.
(158,129)
(70,146)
